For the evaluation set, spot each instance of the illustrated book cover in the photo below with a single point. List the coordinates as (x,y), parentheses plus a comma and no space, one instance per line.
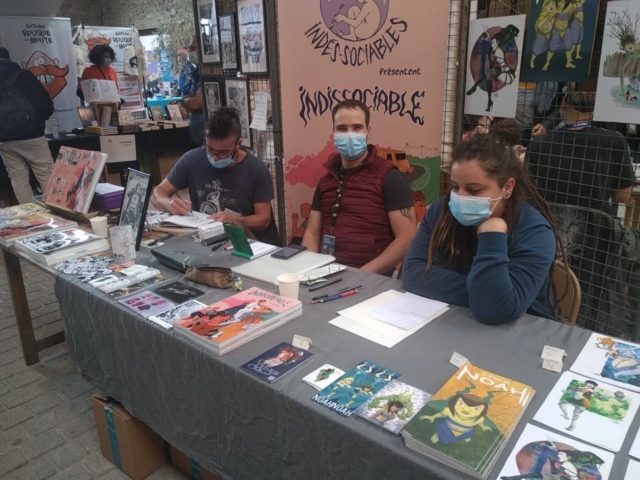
(393,406)
(50,248)
(19,210)
(277,362)
(146,303)
(136,287)
(592,411)
(234,321)
(323,376)
(468,421)
(610,360)
(178,292)
(544,454)
(73,179)
(30,224)
(166,317)
(355,387)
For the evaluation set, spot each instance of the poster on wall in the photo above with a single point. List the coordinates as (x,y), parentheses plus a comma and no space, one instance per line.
(560,37)
(211,87)
(253,42)
(618,93)
(209,40)
(237,94)
(493,65)
(43,46)
(115,37)
(130,91)
(228,41)
(372,51)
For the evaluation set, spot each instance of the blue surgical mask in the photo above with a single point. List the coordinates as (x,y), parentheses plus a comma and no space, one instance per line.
(350,145)
(222,163)
(470,211)
(107,62)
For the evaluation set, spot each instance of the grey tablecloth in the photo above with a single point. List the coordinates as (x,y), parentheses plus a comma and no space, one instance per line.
(244,428)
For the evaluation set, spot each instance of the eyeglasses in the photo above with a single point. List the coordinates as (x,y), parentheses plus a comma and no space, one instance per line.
(217,155)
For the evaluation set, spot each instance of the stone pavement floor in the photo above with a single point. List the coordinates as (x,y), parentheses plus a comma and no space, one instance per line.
(46,421)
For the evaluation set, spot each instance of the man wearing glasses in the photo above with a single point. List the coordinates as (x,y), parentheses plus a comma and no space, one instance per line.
(224,181)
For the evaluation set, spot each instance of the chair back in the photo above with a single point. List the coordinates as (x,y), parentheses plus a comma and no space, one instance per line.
(568,292)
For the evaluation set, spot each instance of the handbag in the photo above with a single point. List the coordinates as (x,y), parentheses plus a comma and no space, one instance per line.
(176,260)
(216,277)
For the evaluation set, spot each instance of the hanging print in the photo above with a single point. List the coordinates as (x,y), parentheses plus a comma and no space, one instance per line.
(493,69)
(560,36)
(618,93)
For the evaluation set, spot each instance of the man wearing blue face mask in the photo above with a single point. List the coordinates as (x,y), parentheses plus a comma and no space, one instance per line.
(362,210)
(224,181)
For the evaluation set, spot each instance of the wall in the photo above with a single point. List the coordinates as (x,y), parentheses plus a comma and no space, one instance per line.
(82,11)
(142,13)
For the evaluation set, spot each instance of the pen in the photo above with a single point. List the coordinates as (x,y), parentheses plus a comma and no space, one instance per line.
(218,245)
(342,290)
(335,297)
(332,282)
(158,240)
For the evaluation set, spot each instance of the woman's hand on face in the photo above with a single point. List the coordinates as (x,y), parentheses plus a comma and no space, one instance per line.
(493,224)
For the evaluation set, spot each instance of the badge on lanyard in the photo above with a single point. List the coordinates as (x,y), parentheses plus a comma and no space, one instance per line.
(328,244)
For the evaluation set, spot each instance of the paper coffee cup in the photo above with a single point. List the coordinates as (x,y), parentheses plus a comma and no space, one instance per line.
(99,226)
(289,285)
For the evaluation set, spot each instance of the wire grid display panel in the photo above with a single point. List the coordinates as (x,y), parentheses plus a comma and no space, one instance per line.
(263,142)
(578,176)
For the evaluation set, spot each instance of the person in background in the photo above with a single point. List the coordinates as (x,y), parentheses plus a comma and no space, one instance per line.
(224,181)
(102,56)
(472,124)
(192,95)
(580,164)
(490,243)
(362,210)
(507,130)
(22,124)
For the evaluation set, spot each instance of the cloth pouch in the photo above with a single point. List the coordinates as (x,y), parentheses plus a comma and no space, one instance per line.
(216,277)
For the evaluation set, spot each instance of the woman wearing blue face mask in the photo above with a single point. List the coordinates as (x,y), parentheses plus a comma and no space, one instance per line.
(489,244)
(102,57)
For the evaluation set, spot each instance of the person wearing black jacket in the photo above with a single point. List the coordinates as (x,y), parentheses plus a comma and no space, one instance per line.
(28,148)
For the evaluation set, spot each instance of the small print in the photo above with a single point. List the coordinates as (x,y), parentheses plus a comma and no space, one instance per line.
(146,303)
(178,292)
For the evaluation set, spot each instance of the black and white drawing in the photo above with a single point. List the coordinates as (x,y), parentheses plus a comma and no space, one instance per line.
(228,41)
(135,203)
(178,292)
(165,318)
(237,93)
(253,45)
(212,97)
(209,40)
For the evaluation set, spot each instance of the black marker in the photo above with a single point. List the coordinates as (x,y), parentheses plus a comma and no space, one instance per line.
(218,245)
(332,282)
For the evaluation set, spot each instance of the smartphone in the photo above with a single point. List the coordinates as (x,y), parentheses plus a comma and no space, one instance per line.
(288,252)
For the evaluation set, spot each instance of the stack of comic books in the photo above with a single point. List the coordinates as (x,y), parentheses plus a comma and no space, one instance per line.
(232,322)
(467,423)
(27,220)
(51,248)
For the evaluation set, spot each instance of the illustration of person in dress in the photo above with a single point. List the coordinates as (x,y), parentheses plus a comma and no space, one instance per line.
(623,361)
(386,413)
(461,416)
(577,27)
(543,27)
(561,39)
(580,399)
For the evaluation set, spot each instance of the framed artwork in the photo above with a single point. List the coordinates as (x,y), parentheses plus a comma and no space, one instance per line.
(135,202)
(228,41)
(212,86)
(208,35)
(252,41)
(237,93)
(493,66)
(553,52)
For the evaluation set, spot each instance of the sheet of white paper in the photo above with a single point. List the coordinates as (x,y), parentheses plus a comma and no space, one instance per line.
(190,220)
(100,91)
(259,119)
(362,331)
(408,310)
(259,249)
(606,419)
(552,364)
(536,442)
(553,353)
(120,148)
(633,470)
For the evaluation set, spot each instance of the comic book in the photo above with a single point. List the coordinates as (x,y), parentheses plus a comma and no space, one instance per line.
(73,179)
(166,317)
(49,248)
(277,362)
(355,387)
(29,224)
(146,303)
(610,360)
(19,210)
(543,454)
(467,422)
(232,322)
(594,412)
(393,406)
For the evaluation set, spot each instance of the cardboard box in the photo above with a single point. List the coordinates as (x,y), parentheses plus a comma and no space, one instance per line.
(126,441)
(189,466)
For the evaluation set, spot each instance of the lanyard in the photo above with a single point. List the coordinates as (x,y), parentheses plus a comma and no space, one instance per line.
(578,125)
(336,204)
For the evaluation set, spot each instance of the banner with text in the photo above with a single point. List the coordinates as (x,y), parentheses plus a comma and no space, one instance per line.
(43,46)
(116,37)
(374,51)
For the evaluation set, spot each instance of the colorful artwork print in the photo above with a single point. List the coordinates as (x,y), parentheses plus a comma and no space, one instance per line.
(146,303)
(393,406)
(591,411)
(610,360)
(276,362)
(618,90)
(355,387)
(30,224)
(166,317)
(545,455)
(323,376)
(495,52)
(560,40)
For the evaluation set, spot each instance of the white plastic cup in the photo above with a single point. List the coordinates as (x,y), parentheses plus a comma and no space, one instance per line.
(99,226)
(289,285)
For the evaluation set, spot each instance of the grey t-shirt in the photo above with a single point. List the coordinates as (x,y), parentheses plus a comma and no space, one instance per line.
(236,188)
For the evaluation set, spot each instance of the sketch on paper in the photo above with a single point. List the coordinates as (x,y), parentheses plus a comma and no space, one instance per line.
(228,41)
(209,40)
(212,97)
(238,96)
(253,52)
